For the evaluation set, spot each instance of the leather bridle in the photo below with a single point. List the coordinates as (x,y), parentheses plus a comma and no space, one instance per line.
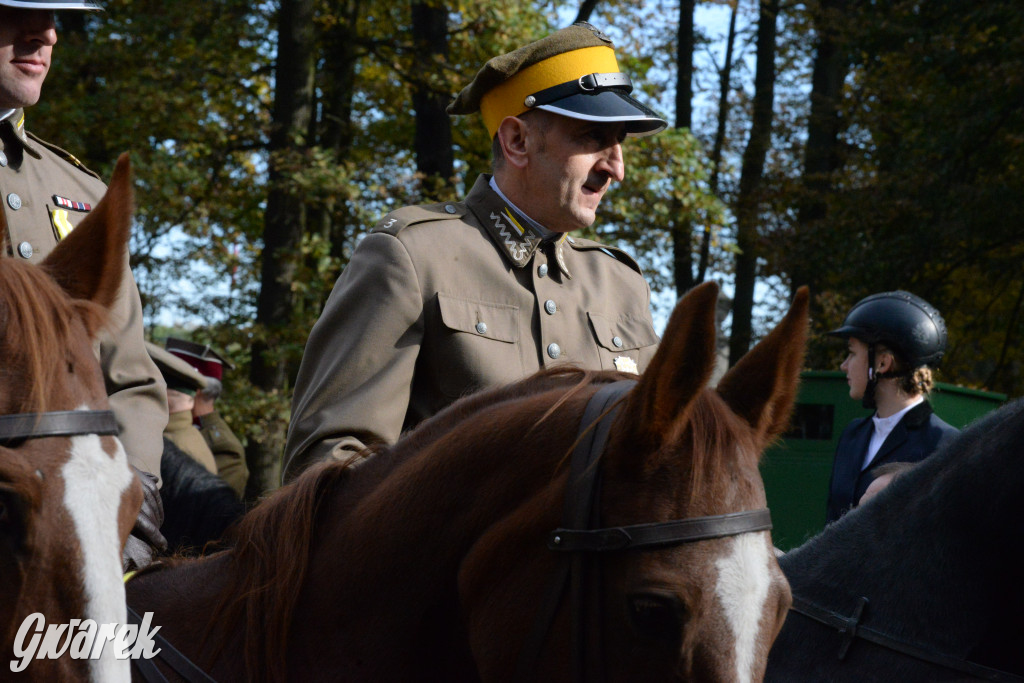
(579,538)
(22,426)
(850,628)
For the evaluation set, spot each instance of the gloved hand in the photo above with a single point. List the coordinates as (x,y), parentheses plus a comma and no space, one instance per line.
(145,536)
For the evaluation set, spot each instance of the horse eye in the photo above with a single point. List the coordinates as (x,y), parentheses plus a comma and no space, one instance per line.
(11,528)
(657,616)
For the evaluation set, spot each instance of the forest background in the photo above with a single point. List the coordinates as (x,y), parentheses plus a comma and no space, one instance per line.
(854,146)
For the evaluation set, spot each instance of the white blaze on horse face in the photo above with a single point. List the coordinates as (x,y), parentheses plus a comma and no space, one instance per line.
(94,483)
(743,581)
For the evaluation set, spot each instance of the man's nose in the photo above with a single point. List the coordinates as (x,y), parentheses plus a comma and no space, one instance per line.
(40,26)
(614,164)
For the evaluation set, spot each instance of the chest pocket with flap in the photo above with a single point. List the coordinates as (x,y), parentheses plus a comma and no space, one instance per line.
(477,347)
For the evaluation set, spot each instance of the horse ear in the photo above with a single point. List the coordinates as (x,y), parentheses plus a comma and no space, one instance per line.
(761,388)
(89,262)
(681,367)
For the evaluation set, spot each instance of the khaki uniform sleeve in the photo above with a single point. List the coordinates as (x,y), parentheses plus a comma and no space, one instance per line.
(137,391)
(356,374)
(227,451)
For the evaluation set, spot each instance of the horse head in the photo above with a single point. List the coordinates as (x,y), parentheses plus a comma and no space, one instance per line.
(707,610)
(68,498)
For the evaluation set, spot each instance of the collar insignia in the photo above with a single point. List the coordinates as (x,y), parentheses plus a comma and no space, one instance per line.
(518,242)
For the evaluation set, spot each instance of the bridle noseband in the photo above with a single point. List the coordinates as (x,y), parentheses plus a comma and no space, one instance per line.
(580,539)
(23,426)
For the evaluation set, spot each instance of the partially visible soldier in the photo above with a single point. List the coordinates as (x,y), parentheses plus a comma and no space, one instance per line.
(183,381)
(227,449)
(45,193)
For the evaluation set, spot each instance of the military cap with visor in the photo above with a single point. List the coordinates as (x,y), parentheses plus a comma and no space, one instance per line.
(200,356)
(179,375)
(51,4)
(572,72)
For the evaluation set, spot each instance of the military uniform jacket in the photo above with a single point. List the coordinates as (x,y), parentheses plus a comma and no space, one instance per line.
(228,452)
(183,434)
(45,193)
(915,437)
(439,301)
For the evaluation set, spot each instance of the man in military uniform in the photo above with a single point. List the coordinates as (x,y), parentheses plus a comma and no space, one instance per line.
(183,381)
(439,301)
(228,451)
(45,192)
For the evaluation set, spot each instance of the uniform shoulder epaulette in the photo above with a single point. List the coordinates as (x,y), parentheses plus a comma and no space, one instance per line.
(581,244)
(64,154)
(412,215)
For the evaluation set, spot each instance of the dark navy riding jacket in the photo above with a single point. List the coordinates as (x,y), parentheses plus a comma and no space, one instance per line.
(913,439)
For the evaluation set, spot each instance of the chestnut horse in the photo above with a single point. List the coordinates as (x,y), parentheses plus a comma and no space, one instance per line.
(67,496)
(433,560)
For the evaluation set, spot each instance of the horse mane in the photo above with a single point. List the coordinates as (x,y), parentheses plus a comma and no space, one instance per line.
(709,436)
(272,544)
(36,316)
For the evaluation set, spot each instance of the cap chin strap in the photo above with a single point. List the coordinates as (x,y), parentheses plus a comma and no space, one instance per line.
(589,83)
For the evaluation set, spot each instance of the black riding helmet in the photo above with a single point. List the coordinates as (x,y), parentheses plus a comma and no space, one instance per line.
(904,322)
(907,324)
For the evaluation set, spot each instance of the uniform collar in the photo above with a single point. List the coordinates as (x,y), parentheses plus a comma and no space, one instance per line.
(15,123)
(515,234)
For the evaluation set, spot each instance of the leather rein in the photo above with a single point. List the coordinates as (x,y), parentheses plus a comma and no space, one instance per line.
(850,628)
(580,538)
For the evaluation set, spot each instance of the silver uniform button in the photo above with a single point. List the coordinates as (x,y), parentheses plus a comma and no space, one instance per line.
(481,328)
(449,208)
(617,342)
(25,250)
(550,307)
(542,269)
(14,201)
(554,350)
(3,159)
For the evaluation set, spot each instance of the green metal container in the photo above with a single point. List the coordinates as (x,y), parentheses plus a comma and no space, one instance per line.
(796,470)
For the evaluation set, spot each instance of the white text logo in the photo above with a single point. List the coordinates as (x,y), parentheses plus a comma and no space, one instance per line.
(81,639)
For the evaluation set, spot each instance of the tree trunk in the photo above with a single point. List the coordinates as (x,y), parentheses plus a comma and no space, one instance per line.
(682,251)
(821,155)
(433,140)
(724,86)
(587,8)
(336,130)
(751,180)
(284,224)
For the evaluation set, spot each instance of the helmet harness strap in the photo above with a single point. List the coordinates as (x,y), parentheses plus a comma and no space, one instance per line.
(868,401)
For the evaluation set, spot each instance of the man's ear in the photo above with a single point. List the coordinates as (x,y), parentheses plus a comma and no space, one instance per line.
(512,134)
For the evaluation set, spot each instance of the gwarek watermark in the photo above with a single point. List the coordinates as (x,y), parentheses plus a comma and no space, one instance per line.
(81,639)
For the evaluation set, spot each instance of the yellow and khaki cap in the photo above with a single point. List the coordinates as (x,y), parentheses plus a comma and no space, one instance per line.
(572,72)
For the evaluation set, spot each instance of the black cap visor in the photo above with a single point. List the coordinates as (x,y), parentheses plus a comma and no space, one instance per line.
(52,4)
(610,106)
